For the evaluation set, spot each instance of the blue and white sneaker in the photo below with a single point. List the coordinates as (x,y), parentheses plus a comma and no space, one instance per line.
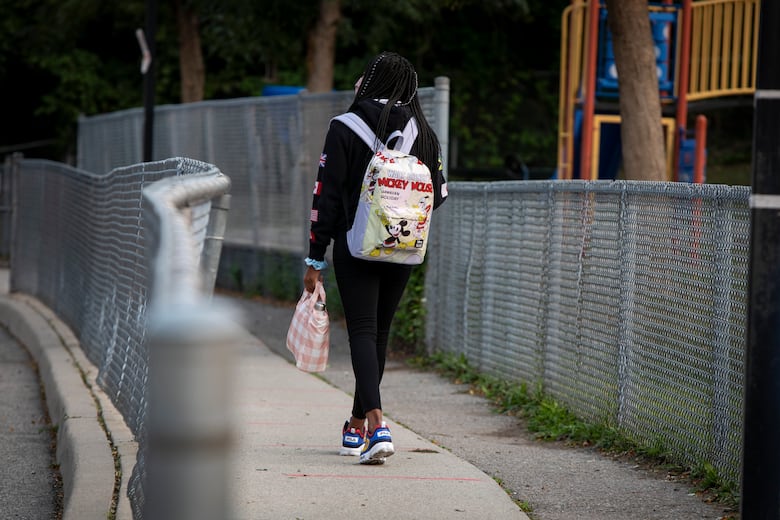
(351,440)
(378,446)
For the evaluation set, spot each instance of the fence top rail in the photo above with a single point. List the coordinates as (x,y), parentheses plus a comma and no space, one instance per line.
(54,166)
(177,274)
(182,165)
(718,191)
(233,102)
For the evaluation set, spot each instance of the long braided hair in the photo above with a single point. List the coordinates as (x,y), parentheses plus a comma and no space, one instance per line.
(391,76)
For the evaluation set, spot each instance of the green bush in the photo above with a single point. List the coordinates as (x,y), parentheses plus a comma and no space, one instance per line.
(407,334)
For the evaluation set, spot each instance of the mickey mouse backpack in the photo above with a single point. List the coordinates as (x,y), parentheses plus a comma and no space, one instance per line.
(396,199)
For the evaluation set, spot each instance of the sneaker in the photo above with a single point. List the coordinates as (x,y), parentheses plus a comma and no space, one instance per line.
(351,440)
(377,447)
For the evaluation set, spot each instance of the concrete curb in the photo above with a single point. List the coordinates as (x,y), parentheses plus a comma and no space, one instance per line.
(76,407)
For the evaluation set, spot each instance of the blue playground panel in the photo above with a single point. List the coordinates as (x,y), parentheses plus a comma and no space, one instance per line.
(663,26)
(280,90)
(610,151)
(687,159)
(610,148)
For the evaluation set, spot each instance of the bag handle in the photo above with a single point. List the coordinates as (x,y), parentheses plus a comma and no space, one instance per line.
(317,295)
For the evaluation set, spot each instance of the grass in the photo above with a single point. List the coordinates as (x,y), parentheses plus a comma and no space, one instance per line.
(730,174)
(545,418)
(548,420)
(707,480)
(523,505)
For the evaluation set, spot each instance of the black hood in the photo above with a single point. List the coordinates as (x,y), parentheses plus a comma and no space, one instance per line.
(369,111)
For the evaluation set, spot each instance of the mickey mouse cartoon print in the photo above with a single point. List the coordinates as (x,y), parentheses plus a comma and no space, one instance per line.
(396,231)
(425,206)
(373,175)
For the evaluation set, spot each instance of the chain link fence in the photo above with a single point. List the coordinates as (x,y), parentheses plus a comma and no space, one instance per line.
(627,301)
(269,146)
(101,251)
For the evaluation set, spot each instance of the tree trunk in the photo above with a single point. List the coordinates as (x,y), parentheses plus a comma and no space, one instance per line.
(644,157)
(191,67)
(321,52)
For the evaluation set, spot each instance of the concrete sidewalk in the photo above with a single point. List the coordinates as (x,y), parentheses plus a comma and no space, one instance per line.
(289,425)
(288,433)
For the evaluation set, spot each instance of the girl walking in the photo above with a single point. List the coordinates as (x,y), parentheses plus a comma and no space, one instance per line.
(386,99)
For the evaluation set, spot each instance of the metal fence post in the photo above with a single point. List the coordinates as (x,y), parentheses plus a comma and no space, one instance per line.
(722,256)
(5,206)
(441,107)
(13,172)
(150,80)
(215,236)
(627,233)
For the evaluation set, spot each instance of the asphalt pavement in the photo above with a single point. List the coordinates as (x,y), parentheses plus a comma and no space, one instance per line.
(29,481)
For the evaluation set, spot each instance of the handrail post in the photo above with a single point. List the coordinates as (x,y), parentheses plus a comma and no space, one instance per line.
(190,435)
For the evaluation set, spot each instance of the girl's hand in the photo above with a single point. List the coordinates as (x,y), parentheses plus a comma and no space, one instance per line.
(310,278)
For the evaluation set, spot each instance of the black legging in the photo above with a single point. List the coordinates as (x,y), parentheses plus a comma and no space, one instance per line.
(370,292)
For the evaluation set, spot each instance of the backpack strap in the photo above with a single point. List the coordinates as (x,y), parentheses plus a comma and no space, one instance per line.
(408,136)
(361,128)
(403,144)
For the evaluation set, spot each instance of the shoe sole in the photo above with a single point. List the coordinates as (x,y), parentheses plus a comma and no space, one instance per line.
(373,462)
(378,453)
(349,452)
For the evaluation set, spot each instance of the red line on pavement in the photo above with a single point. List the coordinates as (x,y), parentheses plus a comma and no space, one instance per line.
(317,446)
(285,445)
(290,390)
(391,477)
(277,423)
(286,404)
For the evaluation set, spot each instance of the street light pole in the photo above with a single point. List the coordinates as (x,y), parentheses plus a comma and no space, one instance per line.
(149,64)
(761,448)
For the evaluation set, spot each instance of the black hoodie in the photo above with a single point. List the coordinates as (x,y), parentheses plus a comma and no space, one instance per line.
(342,166)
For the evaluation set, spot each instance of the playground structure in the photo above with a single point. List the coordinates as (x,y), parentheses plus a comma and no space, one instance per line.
(705,50)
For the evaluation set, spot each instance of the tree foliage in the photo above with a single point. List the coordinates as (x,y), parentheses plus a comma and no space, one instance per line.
(81,57)
(321,47)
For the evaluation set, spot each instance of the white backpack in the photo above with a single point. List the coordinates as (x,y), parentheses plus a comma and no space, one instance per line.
(396,200)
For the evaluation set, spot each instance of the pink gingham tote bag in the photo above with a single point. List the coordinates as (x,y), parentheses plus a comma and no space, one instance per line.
(308,337)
